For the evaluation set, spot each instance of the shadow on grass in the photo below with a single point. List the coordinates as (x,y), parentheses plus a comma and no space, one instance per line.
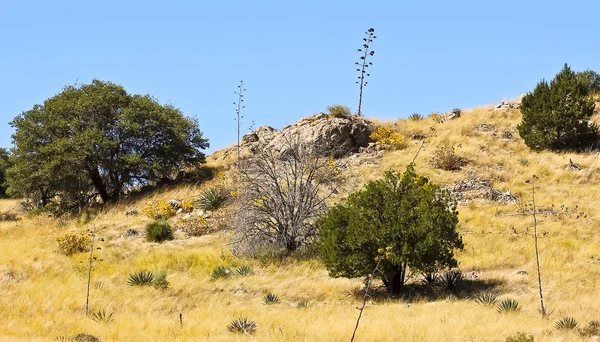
(419,291)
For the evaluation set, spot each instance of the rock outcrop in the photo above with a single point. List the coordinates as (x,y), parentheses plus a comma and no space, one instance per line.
(468,190)
(326,135)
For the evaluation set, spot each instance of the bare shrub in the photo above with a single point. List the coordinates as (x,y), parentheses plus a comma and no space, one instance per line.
(283,192)
(445,158)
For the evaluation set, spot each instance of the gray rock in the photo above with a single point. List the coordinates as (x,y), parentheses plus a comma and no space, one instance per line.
(453,114)
(130,232)
(327,136)
(175,204)
(131,212)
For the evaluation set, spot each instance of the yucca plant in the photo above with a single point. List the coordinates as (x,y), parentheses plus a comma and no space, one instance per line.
(303,304)
(142,278)
(451,279)
(221,272)
(566,323)
(102,316)
(430,278)
(487,299)
(416,117)
(212,199)
(242,325)
(244,271)
(508,305)
(270,299)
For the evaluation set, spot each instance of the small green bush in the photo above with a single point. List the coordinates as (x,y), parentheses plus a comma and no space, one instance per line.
(242,325)
(556,114)
(70,244)
(221,272)
(159,231)
(161,282)
(520,337)
(142,278)
(212,199)
(339,111)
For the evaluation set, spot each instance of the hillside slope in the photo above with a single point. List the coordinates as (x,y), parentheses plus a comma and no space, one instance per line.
(42,293)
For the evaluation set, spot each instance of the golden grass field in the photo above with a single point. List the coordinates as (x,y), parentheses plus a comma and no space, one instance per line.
(42,293)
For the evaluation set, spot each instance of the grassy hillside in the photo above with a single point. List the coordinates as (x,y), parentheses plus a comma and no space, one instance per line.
(42,293)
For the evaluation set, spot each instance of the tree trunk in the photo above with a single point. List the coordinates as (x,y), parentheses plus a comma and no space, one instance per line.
(396,279)
(99,185)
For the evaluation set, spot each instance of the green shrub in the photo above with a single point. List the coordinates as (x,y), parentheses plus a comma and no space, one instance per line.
(142,278)
(161,282)
(270,299)
(445,158)
(520,337)
(592,79)
(212,199)
(159,231)
(339,111)
(242,325)
(70,244)
(416,231)
(556,114)
(221,272)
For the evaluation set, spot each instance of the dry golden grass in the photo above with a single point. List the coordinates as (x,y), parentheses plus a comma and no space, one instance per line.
(42,293)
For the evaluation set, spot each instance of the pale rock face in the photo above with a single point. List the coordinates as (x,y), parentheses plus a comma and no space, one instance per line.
(325,135)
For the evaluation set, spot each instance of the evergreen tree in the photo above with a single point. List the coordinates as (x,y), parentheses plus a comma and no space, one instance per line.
(555,115)
(403,217)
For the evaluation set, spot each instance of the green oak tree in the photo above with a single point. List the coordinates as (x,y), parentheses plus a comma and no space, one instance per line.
(403,217)
(97,141)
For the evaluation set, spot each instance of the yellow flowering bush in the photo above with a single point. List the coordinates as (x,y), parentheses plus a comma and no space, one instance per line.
(158,209)
(70,244)
(385,136)
(187,206)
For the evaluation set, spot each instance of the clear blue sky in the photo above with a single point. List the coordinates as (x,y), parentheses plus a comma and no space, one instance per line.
(296,57)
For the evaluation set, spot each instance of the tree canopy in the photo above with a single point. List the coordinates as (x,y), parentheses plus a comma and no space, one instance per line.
(403,217)
(556,114)
(98,140)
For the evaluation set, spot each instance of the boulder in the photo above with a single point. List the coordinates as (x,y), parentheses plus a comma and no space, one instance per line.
(468,190)
(453,114)
(327,136)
